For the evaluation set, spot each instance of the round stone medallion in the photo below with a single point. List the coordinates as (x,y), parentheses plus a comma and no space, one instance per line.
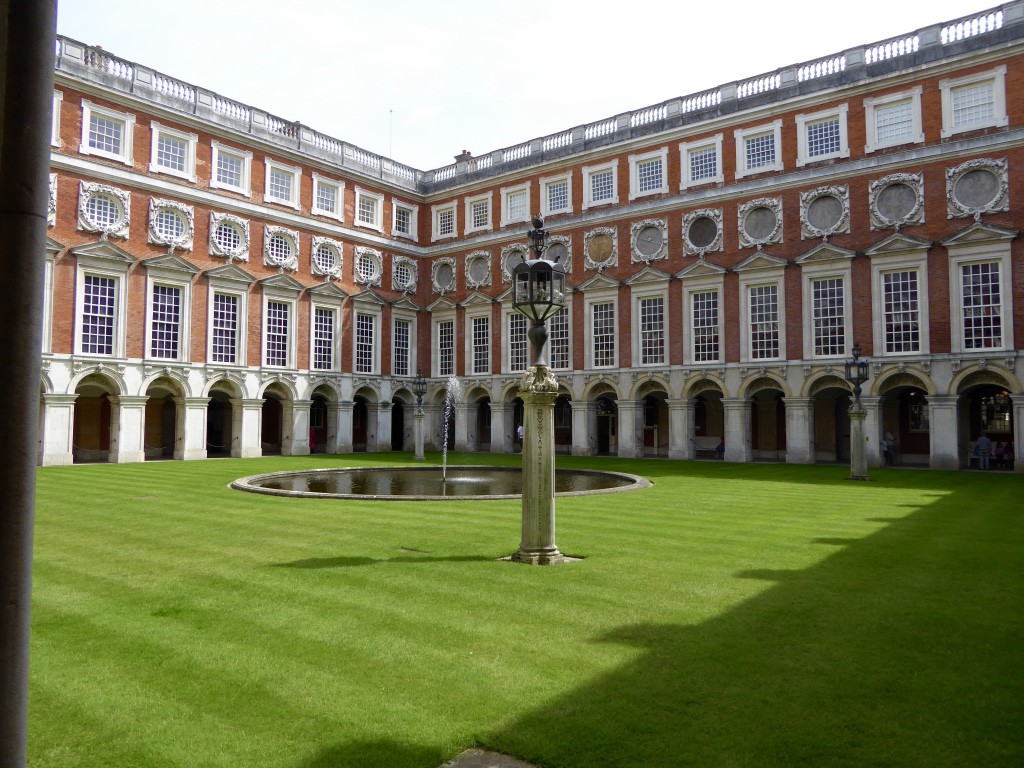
(825,213)
(976,189)
(477,270)
(896,202)
(760,222)
(445,277)
(702,232)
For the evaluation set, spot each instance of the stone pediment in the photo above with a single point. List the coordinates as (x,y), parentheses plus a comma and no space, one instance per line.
(282,282)
(442,304)
(506,296)
(898,243)
(406,303)
(368,297)
(701,268)
(476,299)
(172,263)
(53,247)
(760,260)
(598,282)
(230,272)
(825,252)
(980,232)
(648,275)
(328,290)
(104,250)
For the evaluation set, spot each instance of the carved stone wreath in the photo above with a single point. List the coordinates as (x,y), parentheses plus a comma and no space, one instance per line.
(612,259)
(637,255)
(405,274)
(241,229)
(478,269)
(513,253)
(977,187)
(825,211)
(702,231)
(274,234)
(896,200)
(760,222)
(555,244)
(326,257)
(88,190)
(185,216)
(367,266)
(51,206)
(442,275)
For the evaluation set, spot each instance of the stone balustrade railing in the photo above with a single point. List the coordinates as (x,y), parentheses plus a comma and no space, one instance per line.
(1000,24)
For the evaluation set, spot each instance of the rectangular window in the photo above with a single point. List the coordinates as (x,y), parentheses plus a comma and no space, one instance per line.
(902,331)
(403,220)
(369,206)
(704,163)
(652,331)
(481,345)
(517,342)
(760,151)
(166,322)
(973,104)
(649,175)
(225,328)
(981,305)
(894,123)
(328,197)
(229,169)
(323,338)
(975,101)
(480,213)
(171,153)
(558,338)
(602,186)
(603,334)
(558,196)
(99,307)
(517,202)
(400,355)
(365,340)
(280,184)
(764,322)
(446,348)
(704,308)
(445,222)
(828,316)
(106,134)
(823,138)
(277,334)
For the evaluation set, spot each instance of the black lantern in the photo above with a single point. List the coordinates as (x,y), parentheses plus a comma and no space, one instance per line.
(538,289)
(419,386)
(856,372)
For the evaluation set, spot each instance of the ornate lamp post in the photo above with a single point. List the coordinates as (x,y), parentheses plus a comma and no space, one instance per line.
(538,293)
(857,374)
(419,388)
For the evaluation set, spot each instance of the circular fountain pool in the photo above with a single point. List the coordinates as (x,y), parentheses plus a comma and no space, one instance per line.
(427,483)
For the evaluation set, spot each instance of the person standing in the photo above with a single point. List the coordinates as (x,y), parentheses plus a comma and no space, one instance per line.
(984,449)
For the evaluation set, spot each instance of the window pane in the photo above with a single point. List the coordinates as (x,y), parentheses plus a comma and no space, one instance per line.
(170,152)
(764,322)
(517,342)
(902,333)
(981,306)
(105,134)
(446,348)
(823,138)
(558,338)
(326,197)
(603,334)
(705,326)
(602,186)
(229,169)
(760,150)
(481,345)
(280,187)
(517,205)
(323,339)
(277,333)
(973,104)
(894,123)
(652,331)
(365,333)
(828,317)
(649,175)
(558,196)
(166,321)
(703,163)
(225,328)
(400,362)
(98,307)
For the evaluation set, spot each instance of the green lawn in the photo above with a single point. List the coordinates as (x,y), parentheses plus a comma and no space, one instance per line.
(730,615)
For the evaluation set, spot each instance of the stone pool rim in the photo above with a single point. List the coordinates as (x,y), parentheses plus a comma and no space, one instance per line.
(247,483)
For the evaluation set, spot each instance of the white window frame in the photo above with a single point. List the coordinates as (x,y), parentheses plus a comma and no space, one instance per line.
(689,148)
(336,347)
(634,173)
(339,191)
(375,312)
(545,184)
(436,212)
(593,170)
(376,224)
(58,101)
(435,342)
(171,279)
(396,206)
(507,314)
(119,274)
(469,353)
(694,285)
(568,317)
(601,297)
(638,296)
(288,298)
(882,264)
(999,119)
(229,288)
(743,135)
(506,193)
(756,279)
(826,271)
(470,202)
(217,149)
(190,140)
(410,318)
(803,124)
(290,170)
(127,120)
(871,106)
(991,253)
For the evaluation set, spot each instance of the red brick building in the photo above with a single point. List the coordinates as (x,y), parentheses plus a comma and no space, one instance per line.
(223,282)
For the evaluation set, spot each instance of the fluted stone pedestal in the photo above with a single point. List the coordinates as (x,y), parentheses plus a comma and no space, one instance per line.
(417,421)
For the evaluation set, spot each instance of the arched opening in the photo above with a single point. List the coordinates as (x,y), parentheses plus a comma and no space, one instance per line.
(768,425)
(830,435)
(483,423)
(318,424)
(985,408)
(655,424)
(360,423)
(563,424)
(607,425)
(906,425)
(397,425)
(161,430)
(220,437)
(517,423)
(271,432)
(708,422)
(93,420)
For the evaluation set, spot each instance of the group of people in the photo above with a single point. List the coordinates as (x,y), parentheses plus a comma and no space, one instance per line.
(998,455)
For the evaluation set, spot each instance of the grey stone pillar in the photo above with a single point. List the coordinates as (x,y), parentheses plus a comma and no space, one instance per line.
(873,430)
(1017,403)
(343,425)
(418,433)
(127,429)
(190,442)
(680,429)
(295,420)
(584,427)
(630,435)
(462,427)
(501,427)
(943,435)
(380,439)
(799,430)
(858,447)
(737,429)
(246,430)
(58,429)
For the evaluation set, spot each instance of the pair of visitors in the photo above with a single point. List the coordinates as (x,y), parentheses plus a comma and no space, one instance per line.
(888,446)
(999,455)
(984,450)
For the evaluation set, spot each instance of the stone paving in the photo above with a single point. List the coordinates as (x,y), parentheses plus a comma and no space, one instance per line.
(481,758)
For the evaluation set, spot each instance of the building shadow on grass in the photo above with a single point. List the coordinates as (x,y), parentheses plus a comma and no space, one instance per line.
(391,753)
(904,648)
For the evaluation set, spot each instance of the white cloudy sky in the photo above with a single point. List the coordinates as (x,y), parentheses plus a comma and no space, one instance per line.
(421,80)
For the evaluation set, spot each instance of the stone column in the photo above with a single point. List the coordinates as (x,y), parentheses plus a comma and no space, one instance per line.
(630,413)
(127,429)
(584,427)
(1017,404)
(191,433)
(418,433)
(462,427)
(943,434)
(858,448)
(246,430)
(382,440)
(737,429)
(295,420)
(799,430)
(680,429)
(341,413)
(538,389)
(873,430)
(58,429)
(333,436)
(501,427)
